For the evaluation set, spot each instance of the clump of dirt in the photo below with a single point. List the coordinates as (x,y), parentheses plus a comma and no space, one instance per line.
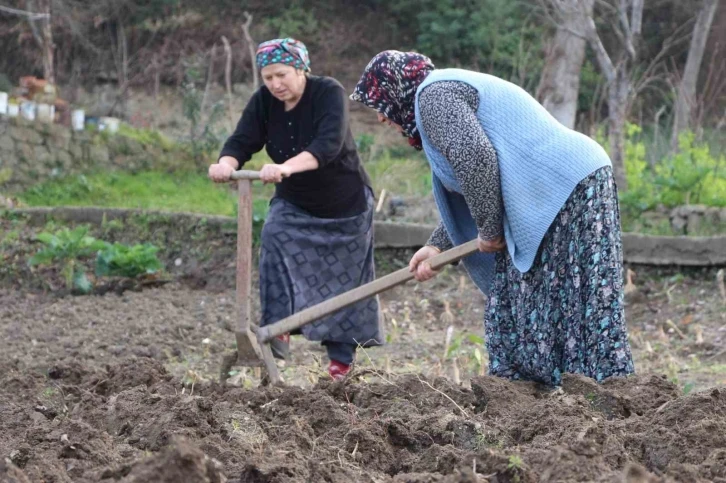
(129,422)
(9,473)
(620,398)
(69,372)
(685,436)
(144,372)
(180,461)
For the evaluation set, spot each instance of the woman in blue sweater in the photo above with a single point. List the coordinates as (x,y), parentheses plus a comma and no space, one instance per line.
(540,198)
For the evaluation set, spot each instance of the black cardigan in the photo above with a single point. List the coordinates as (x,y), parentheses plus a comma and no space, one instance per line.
(318,124)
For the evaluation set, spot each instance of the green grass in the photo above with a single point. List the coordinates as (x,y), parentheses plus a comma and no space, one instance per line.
(181,191)
(193,192)
(400,176)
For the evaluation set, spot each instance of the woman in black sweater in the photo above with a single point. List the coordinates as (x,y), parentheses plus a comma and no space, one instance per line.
(317,241)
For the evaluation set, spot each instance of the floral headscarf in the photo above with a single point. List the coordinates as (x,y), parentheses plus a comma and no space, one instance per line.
(283,51)
(389,85)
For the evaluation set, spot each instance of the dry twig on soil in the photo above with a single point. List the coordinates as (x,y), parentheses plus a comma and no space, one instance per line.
(426,383)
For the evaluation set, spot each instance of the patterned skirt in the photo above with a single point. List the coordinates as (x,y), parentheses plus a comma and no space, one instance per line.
(305,260)
(566,313)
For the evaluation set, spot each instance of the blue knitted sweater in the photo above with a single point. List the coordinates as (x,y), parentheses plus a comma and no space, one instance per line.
(540,164)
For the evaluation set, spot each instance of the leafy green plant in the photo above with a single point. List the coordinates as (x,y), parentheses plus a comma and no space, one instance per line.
(393,333)
(122,260)
(516,465)
(467,347)
(692,176)
(640,195)
(67,247)
(515,462)
(457,344)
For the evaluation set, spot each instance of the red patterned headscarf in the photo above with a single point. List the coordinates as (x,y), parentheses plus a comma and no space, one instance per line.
(389,85)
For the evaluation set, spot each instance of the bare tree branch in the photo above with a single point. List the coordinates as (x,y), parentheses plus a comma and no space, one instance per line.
(34,28)
(713,87)
(24,13)
(603,58)
(607,6)
(629,40)
(637,20)
(228,78)
(623,14)
(210,76)
(62,14)
(589,32)
(251,46)
(619,77)
(656,62)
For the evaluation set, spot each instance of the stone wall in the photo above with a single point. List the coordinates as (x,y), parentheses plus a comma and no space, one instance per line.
(34,151)
(689,219)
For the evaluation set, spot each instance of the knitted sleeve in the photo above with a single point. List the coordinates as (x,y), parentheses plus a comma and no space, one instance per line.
(448,114)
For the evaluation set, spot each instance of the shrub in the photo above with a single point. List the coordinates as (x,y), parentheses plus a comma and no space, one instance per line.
(122,260)
(67,247)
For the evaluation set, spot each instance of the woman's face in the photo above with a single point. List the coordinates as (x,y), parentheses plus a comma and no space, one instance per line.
(384,119)
(285,82)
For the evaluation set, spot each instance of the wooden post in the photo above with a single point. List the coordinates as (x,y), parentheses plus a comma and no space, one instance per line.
(248,350)
(244,252)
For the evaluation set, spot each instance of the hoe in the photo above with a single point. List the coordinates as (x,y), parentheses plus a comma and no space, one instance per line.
(253,348)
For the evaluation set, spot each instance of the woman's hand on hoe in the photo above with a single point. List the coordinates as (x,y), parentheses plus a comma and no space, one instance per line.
(223,169)
(274,173)
(420,266)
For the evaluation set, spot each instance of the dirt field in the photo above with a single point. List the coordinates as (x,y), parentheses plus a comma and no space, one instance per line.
(124,388)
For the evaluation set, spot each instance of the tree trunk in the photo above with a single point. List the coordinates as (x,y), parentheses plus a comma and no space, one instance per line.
(618,104)
(686,100)
(560,83)
(43,34)
(48,70)
(123,73)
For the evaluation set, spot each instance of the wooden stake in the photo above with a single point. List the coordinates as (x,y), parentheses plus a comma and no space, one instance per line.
(380,200)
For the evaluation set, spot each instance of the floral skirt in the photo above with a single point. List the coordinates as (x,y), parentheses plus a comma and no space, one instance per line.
(566,313)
